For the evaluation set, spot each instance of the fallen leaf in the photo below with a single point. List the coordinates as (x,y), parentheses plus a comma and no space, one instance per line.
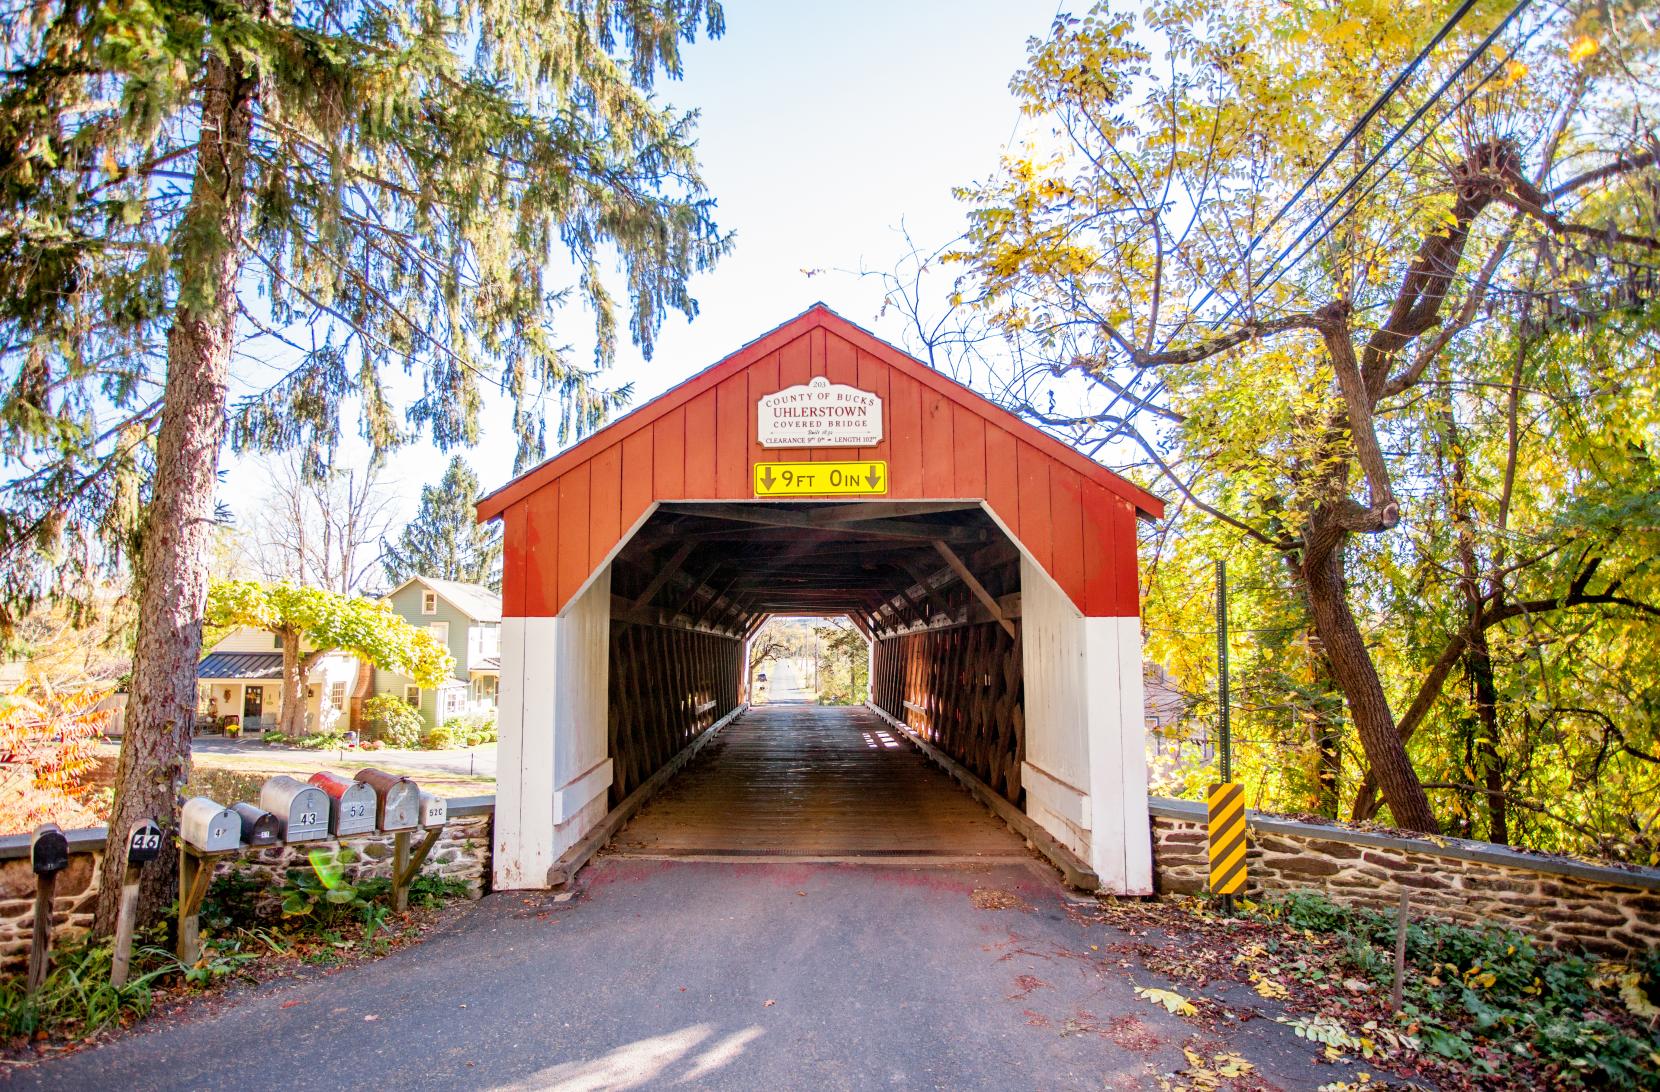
(1170,999)
(768,1003)
(291,1004)
(1271,989)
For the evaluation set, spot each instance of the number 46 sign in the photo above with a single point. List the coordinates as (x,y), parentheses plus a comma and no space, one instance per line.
(143,846)
(144,843)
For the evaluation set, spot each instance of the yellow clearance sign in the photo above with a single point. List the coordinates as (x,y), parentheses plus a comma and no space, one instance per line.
(817,479)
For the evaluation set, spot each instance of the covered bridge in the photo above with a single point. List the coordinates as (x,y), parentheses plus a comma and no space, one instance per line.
(820,471)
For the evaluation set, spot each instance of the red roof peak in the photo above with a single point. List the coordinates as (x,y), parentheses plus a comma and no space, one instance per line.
(818,316)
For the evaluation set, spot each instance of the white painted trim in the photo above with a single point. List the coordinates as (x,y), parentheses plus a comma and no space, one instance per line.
(1066,801)
(571,799)
(1099,639)
(506,870)
(1132,759)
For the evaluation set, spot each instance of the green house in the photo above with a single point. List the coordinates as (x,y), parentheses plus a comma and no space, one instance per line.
(467,619)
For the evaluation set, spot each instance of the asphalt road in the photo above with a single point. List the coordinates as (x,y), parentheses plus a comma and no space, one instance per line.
(477,761)
(716,975)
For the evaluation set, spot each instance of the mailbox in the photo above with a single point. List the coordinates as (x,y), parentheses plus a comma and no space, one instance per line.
(397,799)
(49,849)
(209,827)
(259,827)
(435,810)
(301,810)
(352,804)
(143,843)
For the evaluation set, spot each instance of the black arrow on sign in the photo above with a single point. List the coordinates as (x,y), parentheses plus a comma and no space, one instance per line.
(875,479)
(766,477)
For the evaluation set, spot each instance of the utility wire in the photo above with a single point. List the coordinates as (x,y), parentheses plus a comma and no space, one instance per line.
(1277,266)
(1406,127)
(1348,138)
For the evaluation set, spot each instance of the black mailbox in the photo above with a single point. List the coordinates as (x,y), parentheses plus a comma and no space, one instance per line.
(49,849)
(143,843)
(259,827)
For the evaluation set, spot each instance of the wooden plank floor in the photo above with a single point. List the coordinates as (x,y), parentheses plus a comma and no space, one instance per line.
(796,780)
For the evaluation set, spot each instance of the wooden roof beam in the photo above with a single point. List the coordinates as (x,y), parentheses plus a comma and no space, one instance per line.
(974,585)
(664,575)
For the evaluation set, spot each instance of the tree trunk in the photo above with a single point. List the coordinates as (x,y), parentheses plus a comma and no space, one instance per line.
(172,575)
(1488,762)
(1356,675)
(294,670)
(1328,734)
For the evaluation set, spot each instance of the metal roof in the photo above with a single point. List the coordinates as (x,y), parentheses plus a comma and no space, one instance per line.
(240,665)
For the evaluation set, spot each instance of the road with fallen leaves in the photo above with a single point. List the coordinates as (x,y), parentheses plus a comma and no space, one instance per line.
(737,975)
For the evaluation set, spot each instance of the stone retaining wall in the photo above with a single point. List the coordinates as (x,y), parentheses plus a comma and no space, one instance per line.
(461,853)
(1604,910)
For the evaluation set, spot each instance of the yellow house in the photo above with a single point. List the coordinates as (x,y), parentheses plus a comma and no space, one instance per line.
(241,678)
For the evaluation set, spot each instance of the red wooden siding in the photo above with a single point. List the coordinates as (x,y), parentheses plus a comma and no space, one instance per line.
(697,442)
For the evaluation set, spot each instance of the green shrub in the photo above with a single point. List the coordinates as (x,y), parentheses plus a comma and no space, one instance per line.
(1470,990)
(468,731)
(319,741)
(444,736)
(389,719)
(273,736)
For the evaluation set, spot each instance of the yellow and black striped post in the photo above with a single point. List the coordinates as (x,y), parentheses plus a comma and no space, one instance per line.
(1227,838)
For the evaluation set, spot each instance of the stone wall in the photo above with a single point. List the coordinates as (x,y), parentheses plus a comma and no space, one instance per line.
(461,853)
(1604,910)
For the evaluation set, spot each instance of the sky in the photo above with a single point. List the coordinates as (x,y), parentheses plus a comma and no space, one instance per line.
(824,127)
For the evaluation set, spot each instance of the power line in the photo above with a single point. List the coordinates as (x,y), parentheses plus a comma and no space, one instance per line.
(1406,127)
(1277,266)
(1354,131)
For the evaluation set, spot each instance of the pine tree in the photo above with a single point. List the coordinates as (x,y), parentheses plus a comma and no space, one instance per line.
(445,539)
(361,187)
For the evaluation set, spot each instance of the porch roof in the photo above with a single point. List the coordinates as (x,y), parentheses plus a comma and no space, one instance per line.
(249,666)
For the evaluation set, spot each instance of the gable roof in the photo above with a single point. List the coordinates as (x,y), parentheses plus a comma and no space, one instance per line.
(700,442)
(817,316)
(474,600)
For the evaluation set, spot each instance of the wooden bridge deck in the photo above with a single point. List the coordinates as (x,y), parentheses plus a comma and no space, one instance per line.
(796,780)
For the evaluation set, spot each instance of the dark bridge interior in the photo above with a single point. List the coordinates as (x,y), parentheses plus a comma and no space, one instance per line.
(934,586)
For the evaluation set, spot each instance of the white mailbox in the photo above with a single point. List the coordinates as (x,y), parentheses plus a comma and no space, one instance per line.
(353,804)
(302,810)
(398,799)
(208,827)
(435,810)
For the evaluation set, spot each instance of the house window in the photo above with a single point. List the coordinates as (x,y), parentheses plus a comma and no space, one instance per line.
(440,630)
(412,695)
(337,695)
(429,602)
(276,640)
